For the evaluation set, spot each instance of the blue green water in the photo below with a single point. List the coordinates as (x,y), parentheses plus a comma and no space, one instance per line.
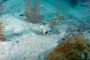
(33,28)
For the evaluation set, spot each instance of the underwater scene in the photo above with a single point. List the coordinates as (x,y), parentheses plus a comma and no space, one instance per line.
(44,29)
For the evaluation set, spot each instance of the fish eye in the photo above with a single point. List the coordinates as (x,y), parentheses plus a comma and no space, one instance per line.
(46,32)
(43,23)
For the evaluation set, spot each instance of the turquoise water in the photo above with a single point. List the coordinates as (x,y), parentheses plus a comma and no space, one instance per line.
(31,29)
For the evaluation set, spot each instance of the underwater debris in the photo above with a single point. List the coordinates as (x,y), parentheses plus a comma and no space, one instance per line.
(75,48)
(1,32)
(32,11)
(56,20)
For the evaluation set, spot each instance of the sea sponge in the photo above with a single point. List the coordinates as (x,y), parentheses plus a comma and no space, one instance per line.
(75,48)
(1,32)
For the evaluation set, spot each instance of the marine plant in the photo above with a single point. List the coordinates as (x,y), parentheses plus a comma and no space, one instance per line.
(1,32)
(74,48)
(32,11)
(57,19)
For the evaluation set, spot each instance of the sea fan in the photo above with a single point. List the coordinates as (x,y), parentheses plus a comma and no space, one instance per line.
(32,11)
(56,20)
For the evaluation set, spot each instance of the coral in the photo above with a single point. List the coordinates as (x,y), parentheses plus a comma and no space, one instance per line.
(56,20)
(1,32)
(75,48)
(32,11)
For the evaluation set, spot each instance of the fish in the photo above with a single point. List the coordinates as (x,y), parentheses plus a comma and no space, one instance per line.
(22,15)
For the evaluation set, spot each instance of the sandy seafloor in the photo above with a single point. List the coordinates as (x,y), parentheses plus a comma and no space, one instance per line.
(23,40)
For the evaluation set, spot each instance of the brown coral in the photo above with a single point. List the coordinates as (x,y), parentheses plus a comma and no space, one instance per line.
(1,32)
(75,48)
